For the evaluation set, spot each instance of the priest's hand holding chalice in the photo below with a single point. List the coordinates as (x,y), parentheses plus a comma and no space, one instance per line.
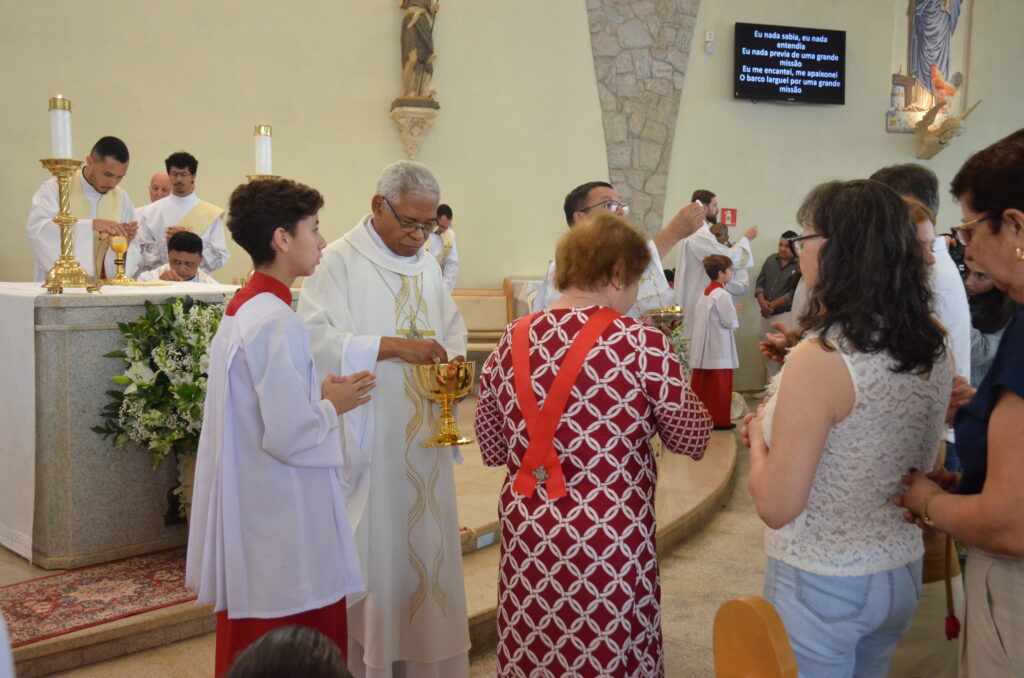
(445,383)
(119,236)
(668,320)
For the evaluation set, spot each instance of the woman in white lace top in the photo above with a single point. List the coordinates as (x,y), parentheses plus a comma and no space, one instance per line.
(860,398)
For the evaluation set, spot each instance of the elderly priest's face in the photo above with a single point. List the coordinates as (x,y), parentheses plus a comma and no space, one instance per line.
(399,225)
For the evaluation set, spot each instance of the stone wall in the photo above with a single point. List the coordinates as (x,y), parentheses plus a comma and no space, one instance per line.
(641,49)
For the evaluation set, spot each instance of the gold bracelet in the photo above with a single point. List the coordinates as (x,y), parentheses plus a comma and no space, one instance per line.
(924,507)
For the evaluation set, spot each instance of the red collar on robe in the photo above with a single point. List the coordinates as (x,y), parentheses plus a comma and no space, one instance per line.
(715,285)
(258,284)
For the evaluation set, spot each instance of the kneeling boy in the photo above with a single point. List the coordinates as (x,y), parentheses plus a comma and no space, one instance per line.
(184,254)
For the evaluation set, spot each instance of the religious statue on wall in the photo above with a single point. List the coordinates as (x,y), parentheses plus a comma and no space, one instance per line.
(938,38)
(415,109)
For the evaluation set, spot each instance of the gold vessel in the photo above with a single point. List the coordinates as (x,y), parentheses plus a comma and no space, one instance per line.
(444,383)
(66,271)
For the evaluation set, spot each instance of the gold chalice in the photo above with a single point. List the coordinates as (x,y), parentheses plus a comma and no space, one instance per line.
(444,383)
(119,244)
(668,320)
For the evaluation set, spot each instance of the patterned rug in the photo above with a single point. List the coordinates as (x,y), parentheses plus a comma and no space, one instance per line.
(77,599)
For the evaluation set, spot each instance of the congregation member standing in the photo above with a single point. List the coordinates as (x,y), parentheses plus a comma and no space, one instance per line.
(182,210)
(981,507)
(578,587)
(690,276)
(713,347)
(441,244)
(775,287)
(598,197)
(102,207)
(269,539)
(859,400)
(378,303)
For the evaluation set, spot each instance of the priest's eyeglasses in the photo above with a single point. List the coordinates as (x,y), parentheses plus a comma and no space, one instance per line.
(963,234)
(611,205)
(797,244)
(407,225)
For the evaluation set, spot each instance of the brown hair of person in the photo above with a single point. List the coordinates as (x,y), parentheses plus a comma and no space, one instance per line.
(588,254)
(715,264)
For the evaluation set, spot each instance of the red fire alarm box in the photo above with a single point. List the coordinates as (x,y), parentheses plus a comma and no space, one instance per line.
(727,216)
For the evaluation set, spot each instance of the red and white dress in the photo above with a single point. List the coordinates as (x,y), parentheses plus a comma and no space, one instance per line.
(578,587)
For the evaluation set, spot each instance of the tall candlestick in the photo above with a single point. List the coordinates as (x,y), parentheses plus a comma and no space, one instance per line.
(262,139)
(60,127)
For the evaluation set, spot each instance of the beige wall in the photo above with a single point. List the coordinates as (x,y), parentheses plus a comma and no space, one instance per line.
(763,158)
(520,121)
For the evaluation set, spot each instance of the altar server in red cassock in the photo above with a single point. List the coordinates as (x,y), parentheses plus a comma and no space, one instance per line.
(569,400)
(269,542)
(713,346)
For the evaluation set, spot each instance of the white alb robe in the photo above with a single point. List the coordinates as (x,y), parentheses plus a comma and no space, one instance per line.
(402,507)
(153,275)
(44,235)
(168,211)
(269,534)
(444,246)
(654,294)
(691,278)
(714,320)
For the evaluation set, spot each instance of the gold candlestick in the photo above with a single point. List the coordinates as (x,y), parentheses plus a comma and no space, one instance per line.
(66,271)
(254,177)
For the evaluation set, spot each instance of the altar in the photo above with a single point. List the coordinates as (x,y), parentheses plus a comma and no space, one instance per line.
(68,498)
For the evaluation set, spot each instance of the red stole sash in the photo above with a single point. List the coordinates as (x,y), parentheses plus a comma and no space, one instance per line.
(715,285)
(540,462)
(258,284)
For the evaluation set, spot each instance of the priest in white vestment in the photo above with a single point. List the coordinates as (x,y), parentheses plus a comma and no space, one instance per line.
(377,303)
(102,207)
(441,244)
(595,197)
(690,276)
(182,210)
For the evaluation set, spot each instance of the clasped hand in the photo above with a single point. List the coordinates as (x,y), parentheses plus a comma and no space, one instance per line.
(348,392)
(126,229)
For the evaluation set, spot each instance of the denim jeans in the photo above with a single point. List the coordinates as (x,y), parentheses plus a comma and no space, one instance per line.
(841,627)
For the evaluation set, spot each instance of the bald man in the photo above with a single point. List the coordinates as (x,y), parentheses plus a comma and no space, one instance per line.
(159,186)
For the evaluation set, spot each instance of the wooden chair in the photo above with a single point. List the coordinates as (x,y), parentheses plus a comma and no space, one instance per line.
(486,312)
(750,641)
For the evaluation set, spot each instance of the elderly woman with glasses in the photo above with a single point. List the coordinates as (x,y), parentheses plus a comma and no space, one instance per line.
(982,506)
(569,400)
(860,398)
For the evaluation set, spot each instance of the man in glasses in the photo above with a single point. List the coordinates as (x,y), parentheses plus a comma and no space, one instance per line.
(595,197)
(377,301)
(691,279)
(182,210)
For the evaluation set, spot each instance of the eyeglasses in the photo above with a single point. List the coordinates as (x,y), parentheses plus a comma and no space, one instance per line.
(610,205)
(410,226)
(963,234)
(797,244)
(179,175)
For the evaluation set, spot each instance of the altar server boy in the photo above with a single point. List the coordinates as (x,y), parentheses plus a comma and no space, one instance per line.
(270,543)
(713,346)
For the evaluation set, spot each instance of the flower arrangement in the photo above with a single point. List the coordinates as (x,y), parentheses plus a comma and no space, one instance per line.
(681,345)
(167,356)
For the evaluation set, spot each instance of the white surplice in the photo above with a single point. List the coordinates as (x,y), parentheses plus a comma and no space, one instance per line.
(691,278)
(413,618)
(269,534)
(446,252)
(714,322)
(153,275)
(158,216)
(44,235)
(654,294)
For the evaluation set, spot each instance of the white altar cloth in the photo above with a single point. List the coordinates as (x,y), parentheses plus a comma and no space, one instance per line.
(18,399)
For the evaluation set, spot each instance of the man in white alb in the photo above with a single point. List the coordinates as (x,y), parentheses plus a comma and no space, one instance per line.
(159,186)
(377,302)
(103,209)
(182,210)
(441,244)
(691,279)
(655,293)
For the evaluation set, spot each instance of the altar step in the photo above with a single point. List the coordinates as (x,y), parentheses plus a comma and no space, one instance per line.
(688,494)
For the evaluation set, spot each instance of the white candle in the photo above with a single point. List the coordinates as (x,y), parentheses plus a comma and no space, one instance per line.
(262,138)
(60,127)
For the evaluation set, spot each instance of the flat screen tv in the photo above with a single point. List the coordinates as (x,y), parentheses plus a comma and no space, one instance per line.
(788,63)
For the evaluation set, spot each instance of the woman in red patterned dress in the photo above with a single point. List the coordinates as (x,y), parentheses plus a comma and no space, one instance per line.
(578,586)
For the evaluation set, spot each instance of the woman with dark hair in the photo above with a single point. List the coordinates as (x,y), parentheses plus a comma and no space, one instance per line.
(862,396)
(982,506)
(569,400)
(291,651)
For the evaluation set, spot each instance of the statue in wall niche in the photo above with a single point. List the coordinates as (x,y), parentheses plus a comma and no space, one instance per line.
(417,53)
